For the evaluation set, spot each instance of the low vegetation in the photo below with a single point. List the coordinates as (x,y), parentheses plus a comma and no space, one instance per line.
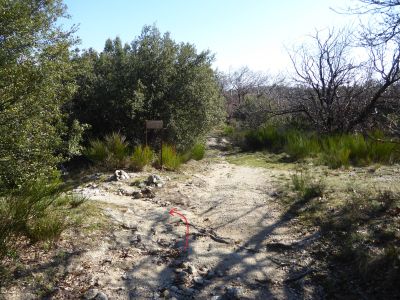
(198,151)
(114,152)
(141,157)
(333,150)
(170,159)
(35,212)
(359,245)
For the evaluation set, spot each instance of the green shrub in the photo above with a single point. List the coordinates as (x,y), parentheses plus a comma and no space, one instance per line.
(142,156)
(334,152)
(228,130)
(300,145)
(112,152)
(198,151)
(186,156)
(266,137)
(97,151)
(171,160)
(383,152)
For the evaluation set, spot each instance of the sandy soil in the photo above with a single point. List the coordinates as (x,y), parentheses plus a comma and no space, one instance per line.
(241,244)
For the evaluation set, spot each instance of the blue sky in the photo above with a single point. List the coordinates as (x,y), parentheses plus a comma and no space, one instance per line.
(247,32)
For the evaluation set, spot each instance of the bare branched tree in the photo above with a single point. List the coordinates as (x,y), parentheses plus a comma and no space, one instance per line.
(336,93)
(385,22)
(244,83)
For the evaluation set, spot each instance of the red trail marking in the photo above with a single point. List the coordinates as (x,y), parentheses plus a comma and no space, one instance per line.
(174,211)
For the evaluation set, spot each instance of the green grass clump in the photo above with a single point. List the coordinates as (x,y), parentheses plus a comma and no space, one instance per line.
(357,150)
(266,137)
(142,156)
(171,160)
(306,186)
(48,227)
(299,145)
(198,151)
(112,152)
(334,153)
(228,130)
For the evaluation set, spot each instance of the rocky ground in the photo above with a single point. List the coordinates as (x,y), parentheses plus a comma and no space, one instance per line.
(242,243)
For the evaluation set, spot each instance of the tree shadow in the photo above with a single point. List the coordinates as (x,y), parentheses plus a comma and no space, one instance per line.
(252,257)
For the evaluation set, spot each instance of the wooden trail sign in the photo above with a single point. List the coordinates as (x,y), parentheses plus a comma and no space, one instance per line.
(154,124)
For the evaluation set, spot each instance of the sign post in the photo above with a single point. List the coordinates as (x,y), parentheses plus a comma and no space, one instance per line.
(156,124)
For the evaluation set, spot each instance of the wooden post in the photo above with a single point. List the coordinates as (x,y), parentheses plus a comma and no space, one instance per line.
(161,148)
(146,136)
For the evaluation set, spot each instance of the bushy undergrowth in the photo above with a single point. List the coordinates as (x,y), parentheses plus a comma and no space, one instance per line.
(38,211)
(142,156)
(112,152)
(334,151)
(26,212)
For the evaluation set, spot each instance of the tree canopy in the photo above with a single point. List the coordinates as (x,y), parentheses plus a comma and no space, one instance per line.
(36,79)
(151,78)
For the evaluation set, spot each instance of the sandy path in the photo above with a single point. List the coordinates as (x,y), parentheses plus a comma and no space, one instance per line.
(241,245)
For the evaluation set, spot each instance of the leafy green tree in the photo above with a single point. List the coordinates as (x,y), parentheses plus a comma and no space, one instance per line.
(36,79)
(152,78)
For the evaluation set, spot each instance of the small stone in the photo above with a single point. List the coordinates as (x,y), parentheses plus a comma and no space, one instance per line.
(90,294)
(192,269)
(198,280)
(178,270)
(147,192)
(137,195)
(174,288)
(234,292)
(120,175)
(127,277)
(189,291)
(101,296)
(203,271)
(165,293)
(210,274)
(219,273)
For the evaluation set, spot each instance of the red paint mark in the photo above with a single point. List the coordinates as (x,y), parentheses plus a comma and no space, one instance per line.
(174,211)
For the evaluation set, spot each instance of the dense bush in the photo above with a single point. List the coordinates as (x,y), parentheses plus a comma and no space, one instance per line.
(152,78)
(300,145)
(36,81)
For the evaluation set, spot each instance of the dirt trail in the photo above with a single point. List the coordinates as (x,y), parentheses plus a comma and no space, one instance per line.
(242,245)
